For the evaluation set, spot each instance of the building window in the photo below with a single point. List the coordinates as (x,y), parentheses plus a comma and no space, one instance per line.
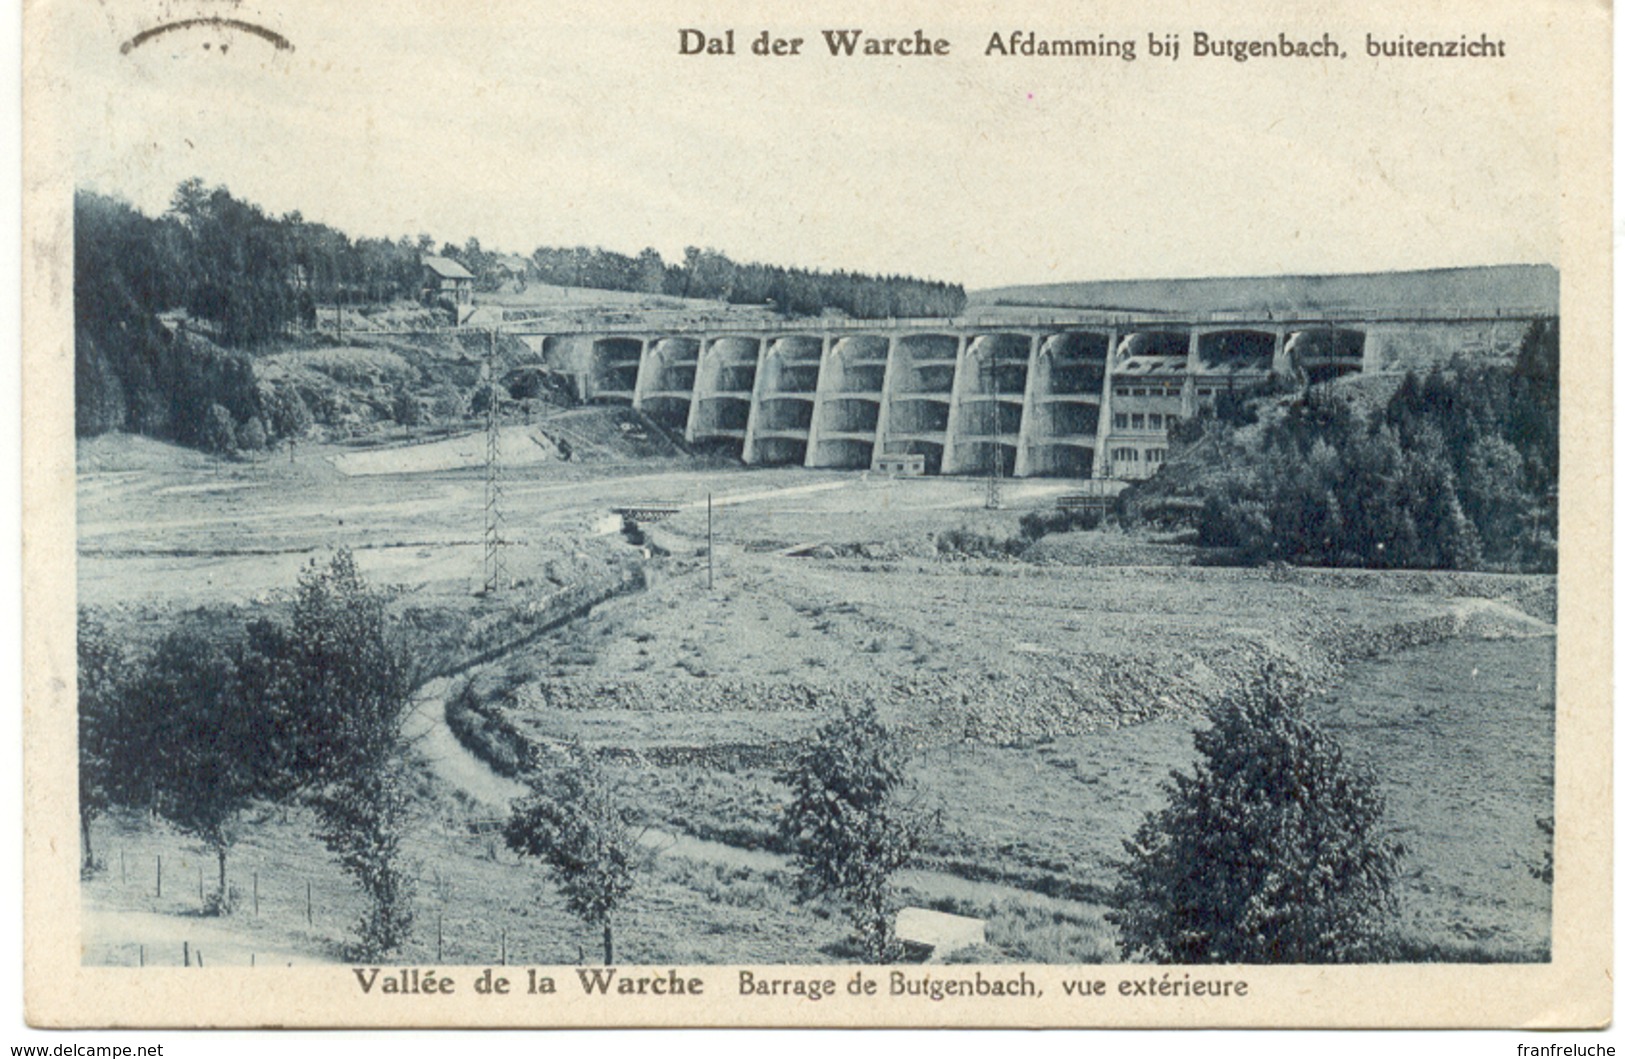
(1139,391)
(1120,420)
(1172,421)
(1137,421)
(1155,420)
(1155,455)
(1126,455)
(1204,393)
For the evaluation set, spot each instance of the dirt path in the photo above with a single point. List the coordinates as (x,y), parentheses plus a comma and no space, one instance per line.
(120,937)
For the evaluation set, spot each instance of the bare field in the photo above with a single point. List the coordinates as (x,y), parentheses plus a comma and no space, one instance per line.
(1047,697)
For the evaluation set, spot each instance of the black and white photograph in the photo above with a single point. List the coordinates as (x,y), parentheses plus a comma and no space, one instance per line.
(723,516)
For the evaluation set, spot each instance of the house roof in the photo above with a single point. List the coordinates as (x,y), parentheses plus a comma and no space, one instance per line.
(446,267)
(514,263)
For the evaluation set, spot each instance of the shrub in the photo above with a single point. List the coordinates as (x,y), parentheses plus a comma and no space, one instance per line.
(962,542)
(1270,851)
(363,818)
(1036,525)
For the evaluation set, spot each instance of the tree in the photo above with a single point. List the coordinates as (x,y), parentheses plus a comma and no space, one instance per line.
(848,824)
(363,819)
(338,721)
(200,743)
(101,686)
(251,435)
(573,822)
(406,409)
(290,416)
(1270,851)
(219,432)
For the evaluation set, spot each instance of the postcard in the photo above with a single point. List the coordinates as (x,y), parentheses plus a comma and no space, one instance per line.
(619,515)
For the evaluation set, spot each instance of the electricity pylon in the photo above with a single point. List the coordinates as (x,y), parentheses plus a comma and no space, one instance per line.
(496,566)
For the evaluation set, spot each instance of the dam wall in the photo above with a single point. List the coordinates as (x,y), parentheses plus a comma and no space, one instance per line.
(1092,395)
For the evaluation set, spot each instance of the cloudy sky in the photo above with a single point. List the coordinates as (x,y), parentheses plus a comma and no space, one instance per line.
(529,124)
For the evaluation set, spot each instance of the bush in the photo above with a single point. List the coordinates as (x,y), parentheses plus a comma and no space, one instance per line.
(1035,525)
(363,818)
(290,415)
(1271,851)
(968,543)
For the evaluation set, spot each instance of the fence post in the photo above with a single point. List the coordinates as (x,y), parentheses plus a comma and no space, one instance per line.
(309,915)
(141,955)
(199,882)
(160,875)
(186,954)
(439,936)
(123,878)
(504,947)
(256,893)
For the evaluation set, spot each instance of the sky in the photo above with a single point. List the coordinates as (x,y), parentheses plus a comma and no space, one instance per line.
(525,124)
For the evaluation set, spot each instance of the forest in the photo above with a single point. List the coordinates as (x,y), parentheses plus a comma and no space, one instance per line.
(1457,469)
(252,280)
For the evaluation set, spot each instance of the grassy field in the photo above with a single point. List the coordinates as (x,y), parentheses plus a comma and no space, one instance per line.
(1046,697)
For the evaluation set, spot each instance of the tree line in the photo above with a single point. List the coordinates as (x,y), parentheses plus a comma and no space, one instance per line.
(254,276)
(706,273)
(1458,469)
(249,280)
(307,712)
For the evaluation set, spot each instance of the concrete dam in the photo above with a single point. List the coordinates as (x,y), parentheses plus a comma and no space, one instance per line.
(1077,396)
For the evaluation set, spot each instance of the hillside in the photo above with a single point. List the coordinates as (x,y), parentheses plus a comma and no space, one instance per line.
(1489,288)
(1456,469)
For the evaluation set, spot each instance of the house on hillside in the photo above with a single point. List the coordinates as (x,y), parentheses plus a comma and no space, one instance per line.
(443,277)
(512,271)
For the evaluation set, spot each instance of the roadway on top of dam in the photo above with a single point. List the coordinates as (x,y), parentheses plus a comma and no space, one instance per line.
(669,322)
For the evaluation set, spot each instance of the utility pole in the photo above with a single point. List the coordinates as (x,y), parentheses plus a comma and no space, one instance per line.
(996,467)
(496,570)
